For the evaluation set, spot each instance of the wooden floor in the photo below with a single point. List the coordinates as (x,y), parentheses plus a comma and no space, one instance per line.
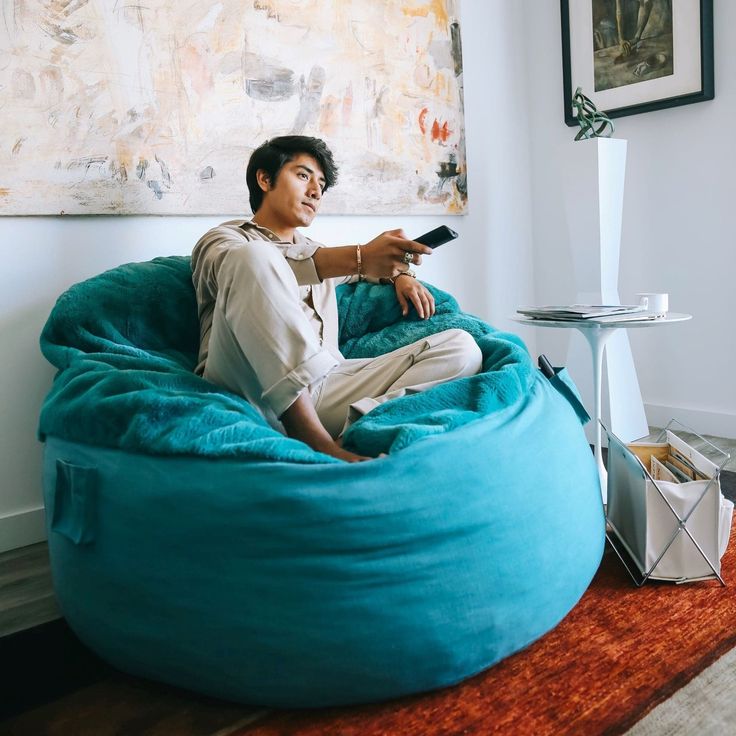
(26,592)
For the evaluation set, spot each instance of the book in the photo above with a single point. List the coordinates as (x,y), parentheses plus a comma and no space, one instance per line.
(595,312)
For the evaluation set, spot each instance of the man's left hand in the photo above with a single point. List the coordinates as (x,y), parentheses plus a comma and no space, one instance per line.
(408,290)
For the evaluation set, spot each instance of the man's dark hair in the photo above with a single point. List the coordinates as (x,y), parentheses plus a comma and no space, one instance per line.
(272,155)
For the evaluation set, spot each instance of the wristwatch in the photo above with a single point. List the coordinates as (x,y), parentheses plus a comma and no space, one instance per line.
(403,273)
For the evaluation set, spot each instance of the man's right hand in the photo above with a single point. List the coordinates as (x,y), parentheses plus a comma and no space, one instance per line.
(383,257)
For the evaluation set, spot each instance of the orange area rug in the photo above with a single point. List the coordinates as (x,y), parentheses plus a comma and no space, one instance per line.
(620,652)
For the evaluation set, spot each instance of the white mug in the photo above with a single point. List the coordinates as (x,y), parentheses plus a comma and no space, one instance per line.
(654,303)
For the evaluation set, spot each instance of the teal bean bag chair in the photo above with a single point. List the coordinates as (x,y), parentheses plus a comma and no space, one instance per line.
(191,543)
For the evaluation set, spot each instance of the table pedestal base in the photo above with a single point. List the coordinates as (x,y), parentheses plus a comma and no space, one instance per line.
(621,404)
(597,340)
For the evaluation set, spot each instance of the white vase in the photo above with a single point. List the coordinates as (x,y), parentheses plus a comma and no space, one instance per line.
(593,192)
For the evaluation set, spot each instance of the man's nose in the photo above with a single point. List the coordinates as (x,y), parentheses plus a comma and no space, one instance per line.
(315,191)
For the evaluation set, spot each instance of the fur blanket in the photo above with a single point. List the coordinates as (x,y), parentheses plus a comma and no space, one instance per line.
(125,344)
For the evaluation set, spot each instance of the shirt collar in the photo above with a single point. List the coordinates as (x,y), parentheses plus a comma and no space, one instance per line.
(299,239)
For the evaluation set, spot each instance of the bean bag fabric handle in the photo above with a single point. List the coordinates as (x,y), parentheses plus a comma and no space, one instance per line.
(75,503)
(565,386)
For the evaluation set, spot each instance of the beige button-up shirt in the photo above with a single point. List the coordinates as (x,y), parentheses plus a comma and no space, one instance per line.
(317,300)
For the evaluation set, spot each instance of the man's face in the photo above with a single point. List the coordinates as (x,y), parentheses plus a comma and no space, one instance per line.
(298,192)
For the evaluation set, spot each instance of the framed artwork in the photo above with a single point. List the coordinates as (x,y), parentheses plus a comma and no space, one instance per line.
(632,56)
(154,108)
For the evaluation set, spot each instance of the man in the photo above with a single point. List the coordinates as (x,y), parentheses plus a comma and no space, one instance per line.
(629,46)
(268,312)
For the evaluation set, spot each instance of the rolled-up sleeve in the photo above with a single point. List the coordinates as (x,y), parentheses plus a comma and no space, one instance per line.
(285,392)
(282,351)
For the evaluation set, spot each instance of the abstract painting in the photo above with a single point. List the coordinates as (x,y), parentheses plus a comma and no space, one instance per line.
(115,107)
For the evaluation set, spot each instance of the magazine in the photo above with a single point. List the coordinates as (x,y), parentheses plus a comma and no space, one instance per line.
(595,312)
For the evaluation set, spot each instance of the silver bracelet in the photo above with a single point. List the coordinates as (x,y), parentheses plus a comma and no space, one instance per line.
(409,273)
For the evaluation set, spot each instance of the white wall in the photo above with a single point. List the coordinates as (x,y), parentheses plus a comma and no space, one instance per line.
(488,269)
(677,231)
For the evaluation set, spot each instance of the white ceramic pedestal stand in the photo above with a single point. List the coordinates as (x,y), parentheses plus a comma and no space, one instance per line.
(593,188)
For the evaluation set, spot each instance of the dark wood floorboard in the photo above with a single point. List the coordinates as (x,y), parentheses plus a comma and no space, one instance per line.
(125,706)
(26,591)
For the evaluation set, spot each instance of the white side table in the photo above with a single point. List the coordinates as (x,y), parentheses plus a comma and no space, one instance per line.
(597,334)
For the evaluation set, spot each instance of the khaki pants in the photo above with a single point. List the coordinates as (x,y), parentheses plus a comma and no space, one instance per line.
(264,346)
(356,386)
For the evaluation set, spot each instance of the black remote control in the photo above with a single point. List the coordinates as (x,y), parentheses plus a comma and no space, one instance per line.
(546,367)
(438,236)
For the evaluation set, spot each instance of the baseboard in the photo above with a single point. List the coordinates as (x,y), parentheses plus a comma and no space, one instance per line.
(713,423)
(22,528)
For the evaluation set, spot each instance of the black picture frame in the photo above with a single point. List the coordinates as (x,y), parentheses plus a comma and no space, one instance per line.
(707,84)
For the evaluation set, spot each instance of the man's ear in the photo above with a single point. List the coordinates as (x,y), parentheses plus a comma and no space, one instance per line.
(263,179)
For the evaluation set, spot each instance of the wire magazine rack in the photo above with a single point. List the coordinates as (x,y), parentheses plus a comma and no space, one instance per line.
(648,518)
